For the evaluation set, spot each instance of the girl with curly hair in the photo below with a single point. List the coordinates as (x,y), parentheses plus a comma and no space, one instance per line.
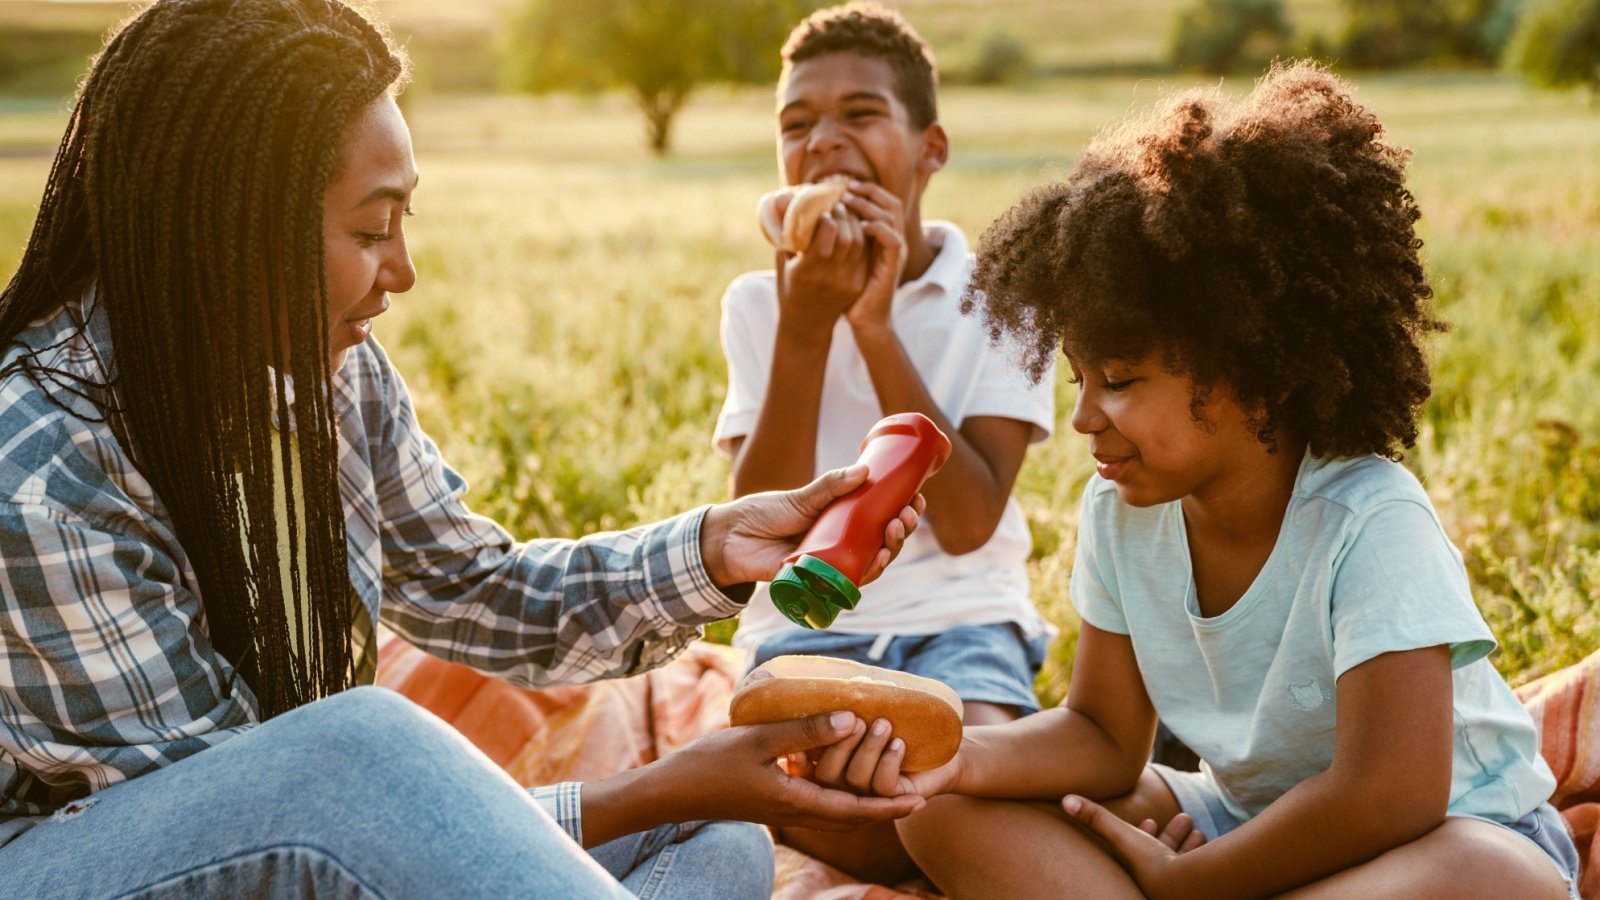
(1238,291)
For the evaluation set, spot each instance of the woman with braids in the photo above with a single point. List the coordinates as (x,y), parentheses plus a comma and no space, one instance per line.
(212,484)
(1238,290)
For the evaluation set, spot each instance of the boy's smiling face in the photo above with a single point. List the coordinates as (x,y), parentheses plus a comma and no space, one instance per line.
(839,114)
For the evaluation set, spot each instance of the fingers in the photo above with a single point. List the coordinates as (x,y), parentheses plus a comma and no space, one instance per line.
(891,244)
(851,239)
(831,763)
(826,235)
(1180,835)
(812,499)
(870,200)
(864,762)
(779,739)
(886,775)
(827,809)
(1115,832)
(894,538)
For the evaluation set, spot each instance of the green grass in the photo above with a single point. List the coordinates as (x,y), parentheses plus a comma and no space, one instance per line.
(562,340)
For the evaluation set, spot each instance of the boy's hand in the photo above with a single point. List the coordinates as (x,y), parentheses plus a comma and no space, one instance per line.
(817,286)
(883,221)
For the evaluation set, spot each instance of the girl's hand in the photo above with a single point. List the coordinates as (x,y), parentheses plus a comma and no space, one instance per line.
(882,219)
(1150,858)
(733,774)
(749,538)
(1180,834)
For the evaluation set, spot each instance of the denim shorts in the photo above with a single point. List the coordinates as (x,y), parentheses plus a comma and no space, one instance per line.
(1198,797)
(981,663)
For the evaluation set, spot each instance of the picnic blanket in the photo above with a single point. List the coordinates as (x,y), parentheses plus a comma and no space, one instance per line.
(590,731)
(1565,705)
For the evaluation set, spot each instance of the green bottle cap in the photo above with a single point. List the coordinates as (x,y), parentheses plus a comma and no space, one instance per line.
(811,592)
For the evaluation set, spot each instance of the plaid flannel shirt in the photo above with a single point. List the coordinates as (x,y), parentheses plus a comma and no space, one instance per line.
(106,670)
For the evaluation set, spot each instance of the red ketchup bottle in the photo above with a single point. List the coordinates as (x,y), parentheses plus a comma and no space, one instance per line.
(820,579)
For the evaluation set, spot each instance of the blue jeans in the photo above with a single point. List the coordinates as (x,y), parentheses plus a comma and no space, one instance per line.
(361,795)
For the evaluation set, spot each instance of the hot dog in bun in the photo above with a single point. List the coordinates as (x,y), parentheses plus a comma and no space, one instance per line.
(789,215)
(925,713)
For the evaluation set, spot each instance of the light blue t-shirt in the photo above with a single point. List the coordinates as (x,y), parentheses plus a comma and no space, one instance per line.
(1361,567)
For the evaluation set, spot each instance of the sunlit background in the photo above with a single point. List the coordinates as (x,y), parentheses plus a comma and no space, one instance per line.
(562,338)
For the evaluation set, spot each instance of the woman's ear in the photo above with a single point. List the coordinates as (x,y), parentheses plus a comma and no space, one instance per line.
(935,150)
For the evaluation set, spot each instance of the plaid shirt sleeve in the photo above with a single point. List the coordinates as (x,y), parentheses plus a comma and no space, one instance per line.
(535,612)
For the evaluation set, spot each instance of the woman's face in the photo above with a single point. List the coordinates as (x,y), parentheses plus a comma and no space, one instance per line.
(362,214)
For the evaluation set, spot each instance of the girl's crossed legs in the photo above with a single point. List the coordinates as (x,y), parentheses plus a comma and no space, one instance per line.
(975,847)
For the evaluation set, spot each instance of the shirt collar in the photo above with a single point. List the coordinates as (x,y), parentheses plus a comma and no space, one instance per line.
(947,274)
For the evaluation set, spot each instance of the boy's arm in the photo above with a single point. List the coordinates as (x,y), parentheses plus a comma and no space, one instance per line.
(814,288)
(1388,785)
(1095,745)
(968,496)
(780,452)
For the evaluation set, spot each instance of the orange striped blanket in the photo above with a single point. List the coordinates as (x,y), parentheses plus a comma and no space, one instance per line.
(590,731)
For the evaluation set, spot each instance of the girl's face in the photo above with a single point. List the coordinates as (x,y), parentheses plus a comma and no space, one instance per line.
(362,214)
(1145,439)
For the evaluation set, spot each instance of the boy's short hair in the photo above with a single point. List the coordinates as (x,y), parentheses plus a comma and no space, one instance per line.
(1266,246)
(871,29)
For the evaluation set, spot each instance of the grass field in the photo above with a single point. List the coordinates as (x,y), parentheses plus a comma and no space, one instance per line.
(562,340)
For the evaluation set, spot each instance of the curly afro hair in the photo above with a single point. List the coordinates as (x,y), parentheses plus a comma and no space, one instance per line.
(874,30)
(1266,245)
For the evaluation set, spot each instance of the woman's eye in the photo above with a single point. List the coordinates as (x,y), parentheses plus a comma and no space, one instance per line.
(793,127)
(1122,385)
(368,238)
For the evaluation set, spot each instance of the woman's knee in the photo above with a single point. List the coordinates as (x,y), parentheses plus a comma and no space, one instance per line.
(374,728)
(370,748)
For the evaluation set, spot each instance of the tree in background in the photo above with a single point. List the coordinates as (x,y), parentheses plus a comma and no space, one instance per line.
(1221,36)
(661,50)
(1557,44)
(1382,34)
(996,56)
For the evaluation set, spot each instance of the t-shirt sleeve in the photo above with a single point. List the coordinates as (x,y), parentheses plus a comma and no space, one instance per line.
(1400,585)
(1093,583)
(1005,390)
(748,350)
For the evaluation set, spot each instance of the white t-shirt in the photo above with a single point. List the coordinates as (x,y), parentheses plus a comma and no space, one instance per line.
(1361,567)
(925,590)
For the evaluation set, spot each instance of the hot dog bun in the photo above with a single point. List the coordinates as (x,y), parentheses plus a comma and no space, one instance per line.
(789,215)
(925,713)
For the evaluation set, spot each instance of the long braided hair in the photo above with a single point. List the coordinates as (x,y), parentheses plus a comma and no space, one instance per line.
(188,192)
